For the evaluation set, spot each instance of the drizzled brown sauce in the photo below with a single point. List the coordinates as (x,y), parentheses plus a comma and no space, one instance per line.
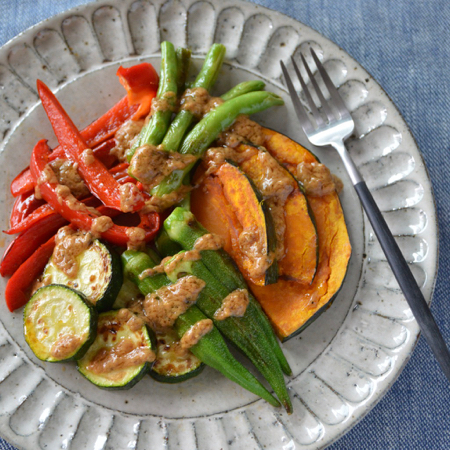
(125,352)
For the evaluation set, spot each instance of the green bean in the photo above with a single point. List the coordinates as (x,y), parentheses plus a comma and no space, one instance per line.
(209,128)
(205,79)
(183,63)
(154,132)
(243,88)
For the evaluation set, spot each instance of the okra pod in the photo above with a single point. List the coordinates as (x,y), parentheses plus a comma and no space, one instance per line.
(211,349)
(165,245)
(184,229)
(244,332)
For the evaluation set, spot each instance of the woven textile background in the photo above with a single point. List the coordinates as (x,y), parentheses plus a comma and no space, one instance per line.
(405,45)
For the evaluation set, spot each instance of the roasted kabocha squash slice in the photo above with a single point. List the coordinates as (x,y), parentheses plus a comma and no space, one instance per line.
(297,243)
(256,241)
(291,306)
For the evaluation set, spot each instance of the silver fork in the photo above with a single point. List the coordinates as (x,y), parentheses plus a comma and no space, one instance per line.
(333,131)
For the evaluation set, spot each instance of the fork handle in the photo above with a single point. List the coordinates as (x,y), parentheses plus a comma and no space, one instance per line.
(405,278)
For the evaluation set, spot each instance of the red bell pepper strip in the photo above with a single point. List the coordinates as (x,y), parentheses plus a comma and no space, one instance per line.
(23,183)
(19,285)
(141,82)
(97,136)
(41,212)
(122,167)
(24,205)
(99,181)
(76,212)
(28,241)
(106,126)
(103,152)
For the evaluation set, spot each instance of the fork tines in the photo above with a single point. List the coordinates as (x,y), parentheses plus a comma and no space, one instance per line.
(341,110)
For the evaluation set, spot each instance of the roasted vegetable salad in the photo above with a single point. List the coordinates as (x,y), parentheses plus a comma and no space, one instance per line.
(170,227)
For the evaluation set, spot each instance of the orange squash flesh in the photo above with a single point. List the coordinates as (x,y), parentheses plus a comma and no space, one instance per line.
(241,197)
(300,239)
(212,210)
(290,305)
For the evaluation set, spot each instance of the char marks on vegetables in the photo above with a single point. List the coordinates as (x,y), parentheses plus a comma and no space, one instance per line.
(126,352)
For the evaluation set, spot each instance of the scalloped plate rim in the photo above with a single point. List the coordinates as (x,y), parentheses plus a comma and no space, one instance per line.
(380,393)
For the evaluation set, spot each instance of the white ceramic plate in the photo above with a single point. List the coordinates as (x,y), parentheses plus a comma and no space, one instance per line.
(343,363)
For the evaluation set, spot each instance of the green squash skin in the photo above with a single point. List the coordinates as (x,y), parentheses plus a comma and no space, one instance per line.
(177,379)
(110,295)
(159,373)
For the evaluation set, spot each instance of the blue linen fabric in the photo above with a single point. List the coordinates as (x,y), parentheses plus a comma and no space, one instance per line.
(405,45)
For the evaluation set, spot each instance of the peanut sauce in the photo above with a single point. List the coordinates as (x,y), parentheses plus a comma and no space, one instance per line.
(196,332)
(88,156)
(151,164)
(162,308)
(198,102)
(123,355)
(242,130)
(100,225)
(252,245)
(233,305)
(216,156)
(126,352)
(69,245)
(66,173)
(133,322)
(317,179)
(64,346)
(158,204)
(209,242)
(125,138)
(170,263)
(166,103)
(130,195)
(136,238)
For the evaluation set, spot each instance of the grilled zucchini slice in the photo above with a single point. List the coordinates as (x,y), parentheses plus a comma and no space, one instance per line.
(59,324)
(173,364)
(122,352)
(99,275)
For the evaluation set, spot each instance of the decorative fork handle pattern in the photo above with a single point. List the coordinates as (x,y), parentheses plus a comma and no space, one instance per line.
(399,266)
